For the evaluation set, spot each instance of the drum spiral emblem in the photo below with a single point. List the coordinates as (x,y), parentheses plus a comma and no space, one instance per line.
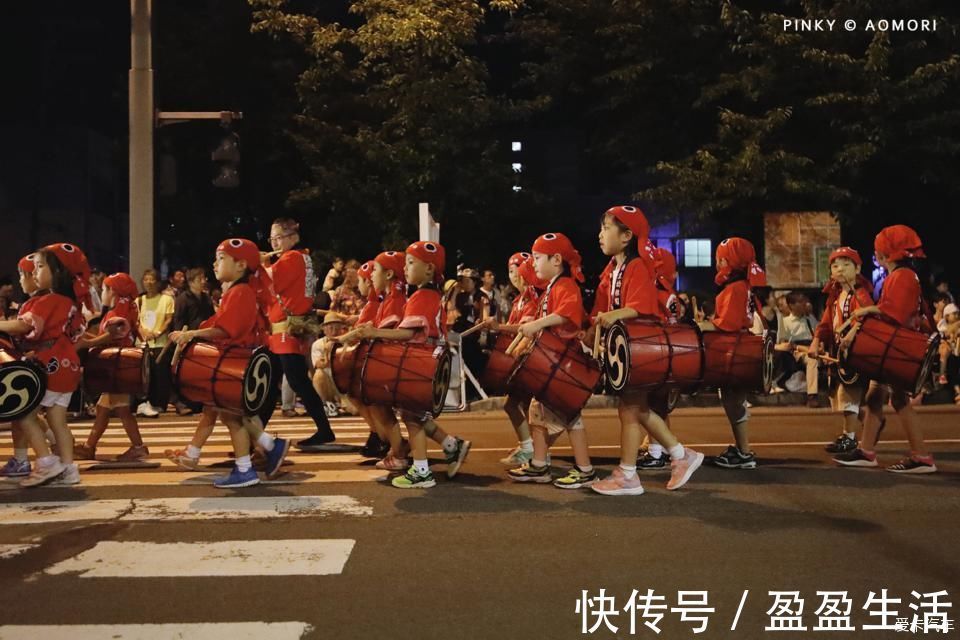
(258,379)
(768,362)
(21,389)
(617,358)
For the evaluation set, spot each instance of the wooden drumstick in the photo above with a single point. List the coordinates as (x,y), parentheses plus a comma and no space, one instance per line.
(597,339)
(475,328)
(176,353)
(513,345)
(821,356)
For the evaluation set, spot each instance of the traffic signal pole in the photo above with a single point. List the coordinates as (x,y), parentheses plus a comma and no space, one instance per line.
(141,138)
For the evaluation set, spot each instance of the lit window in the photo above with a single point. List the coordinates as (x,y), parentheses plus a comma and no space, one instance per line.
(516,146)
(517,167)
(696,253)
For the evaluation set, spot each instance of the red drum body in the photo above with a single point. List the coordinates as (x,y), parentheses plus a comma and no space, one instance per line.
(236,379)
(346,362)
(641,354)
(23,383)
(499,367)
(557,373)
(121,370)
(738,359)
(409,376)
(891,354)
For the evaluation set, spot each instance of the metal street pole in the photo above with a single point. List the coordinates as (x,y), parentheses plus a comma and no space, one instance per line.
(141,137)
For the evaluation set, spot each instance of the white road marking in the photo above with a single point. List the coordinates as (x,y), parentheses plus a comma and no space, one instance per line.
(10,550)
(177,631)
(160,509)
(111,559)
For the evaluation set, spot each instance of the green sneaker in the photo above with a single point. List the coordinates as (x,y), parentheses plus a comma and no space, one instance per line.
(413,480)
(456,457)
(517,457)
(576,479)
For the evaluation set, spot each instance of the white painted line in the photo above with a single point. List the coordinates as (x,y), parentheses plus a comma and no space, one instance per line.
(10,550)
(131,478)
(697,445)
(244,508)
(168,509)
(115,429)
(217,455)
(62,511)
(179,631)
(111,559)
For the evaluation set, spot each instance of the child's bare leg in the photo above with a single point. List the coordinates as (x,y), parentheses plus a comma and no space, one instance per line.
(540,446)
(130,425)
(205,425)
(512,407)
(57,419)
(100,424)
(581,452)
(33,432)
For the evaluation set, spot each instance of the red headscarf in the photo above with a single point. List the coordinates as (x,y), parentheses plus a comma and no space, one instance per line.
(246,250)
(554,243)
(393,261)
(75,261)
(431,253)
(366,270)
(899,242)
(740,256)
(517,259)
(124,311)
(26,264)
(529,274)
(665,266)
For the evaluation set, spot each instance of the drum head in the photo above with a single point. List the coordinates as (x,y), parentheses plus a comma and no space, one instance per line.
(22,386)
(258,379)
(616,361)
(845,374)
(768,361)
(441,382)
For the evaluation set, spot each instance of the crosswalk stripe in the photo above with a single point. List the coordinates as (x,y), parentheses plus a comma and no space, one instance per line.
(11,550)
(129,478)
(185,440)
(113,559)
(116,427)
(181,631)
(214,455)
(179,509)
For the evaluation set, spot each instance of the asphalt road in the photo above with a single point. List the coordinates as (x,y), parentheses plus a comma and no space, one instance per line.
(330,550)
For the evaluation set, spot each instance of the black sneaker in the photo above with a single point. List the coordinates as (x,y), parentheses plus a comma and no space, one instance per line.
(316,442)
(456,457)
(374,447)
(855,458)
(647,462)
(733,458)
(913,465)
(843,444)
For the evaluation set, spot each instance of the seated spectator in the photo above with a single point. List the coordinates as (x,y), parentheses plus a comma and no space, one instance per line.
(796,329)
(346,299)
(334,325)
(949,328)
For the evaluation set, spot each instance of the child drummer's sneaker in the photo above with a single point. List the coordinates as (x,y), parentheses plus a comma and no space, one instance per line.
(517,457)
(843,444)
(134,454)
(617,484)
(393,463)
(647,462)
(529,473)
(914,464)
(413,479)
(276,456)
(856,458)
(456,458)
(576,478)
(733,458)
(682,468)
(69,477)
(180,458)
(15,469)
(44,472)
(237,479)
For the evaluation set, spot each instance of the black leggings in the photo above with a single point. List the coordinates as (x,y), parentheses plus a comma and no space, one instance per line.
(295,368)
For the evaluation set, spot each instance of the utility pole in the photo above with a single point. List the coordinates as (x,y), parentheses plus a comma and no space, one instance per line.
(141,138)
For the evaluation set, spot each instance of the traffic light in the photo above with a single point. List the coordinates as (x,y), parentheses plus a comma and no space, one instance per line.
(227,158)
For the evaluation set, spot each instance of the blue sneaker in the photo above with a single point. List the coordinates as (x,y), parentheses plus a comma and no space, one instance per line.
(15,469)
(237,479)
(276,456)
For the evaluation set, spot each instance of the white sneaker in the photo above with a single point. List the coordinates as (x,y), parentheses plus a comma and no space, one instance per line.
(43,474)
(147,411)
(70,476)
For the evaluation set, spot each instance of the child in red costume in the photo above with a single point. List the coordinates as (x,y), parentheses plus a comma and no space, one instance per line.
(901,302)
(49,324)
(238,322)
(118,327)
(631,292)
(847,291)
(737,273)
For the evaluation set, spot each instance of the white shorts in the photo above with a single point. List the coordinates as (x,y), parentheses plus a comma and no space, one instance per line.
(540,415)
(56,399)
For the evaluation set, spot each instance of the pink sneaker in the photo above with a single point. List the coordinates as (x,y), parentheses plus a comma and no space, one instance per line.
(617,485)
(682,469)
(392,463)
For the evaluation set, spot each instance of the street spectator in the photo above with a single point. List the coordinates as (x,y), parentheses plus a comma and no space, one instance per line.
(191,307)
(8,306)
(796,329)
(335,276)
(346,298)
(156,315)
(944,288)
(176,284)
